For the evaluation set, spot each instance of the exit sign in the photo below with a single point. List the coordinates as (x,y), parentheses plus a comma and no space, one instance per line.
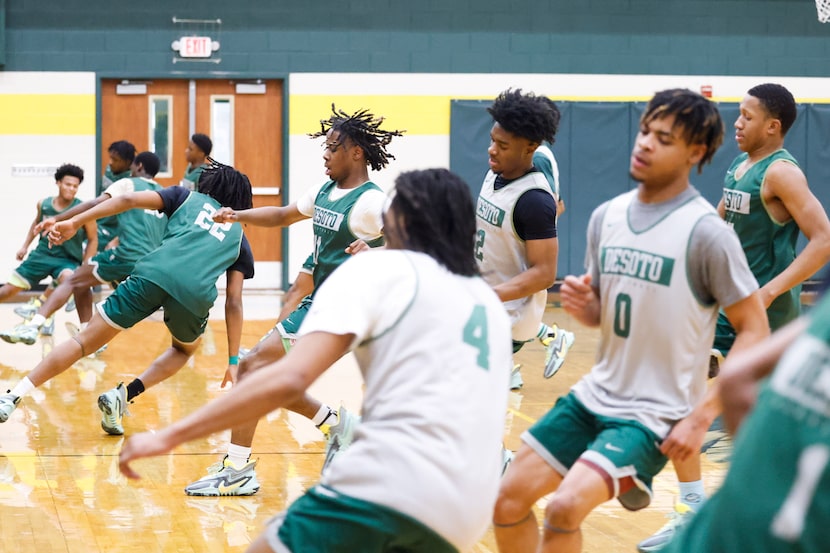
(195,47)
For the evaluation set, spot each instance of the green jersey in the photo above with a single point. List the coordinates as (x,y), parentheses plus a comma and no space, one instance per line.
(191,176)
(769,245)
(72,248)
(776,496)
(332,234)
(193,253)
(108,226)
(139,230)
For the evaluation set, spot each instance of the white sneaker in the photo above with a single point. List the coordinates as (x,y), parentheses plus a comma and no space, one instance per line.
(21,334)
(681,516)
(113,406)
(225,479)
(516,381)
(8,403)
(556,348)
(339,436)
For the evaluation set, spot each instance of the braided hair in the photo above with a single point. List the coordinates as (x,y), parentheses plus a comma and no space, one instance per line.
(362,129)
(696,116)
(226,185)
(434,214)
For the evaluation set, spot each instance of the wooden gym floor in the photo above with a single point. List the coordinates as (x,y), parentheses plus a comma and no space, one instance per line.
(60,488)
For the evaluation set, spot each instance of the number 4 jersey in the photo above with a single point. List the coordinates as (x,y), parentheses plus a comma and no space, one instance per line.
(194,251)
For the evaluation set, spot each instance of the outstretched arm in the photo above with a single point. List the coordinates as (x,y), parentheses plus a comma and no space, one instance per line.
(30,235)
(65,230)
(46,224)
(268,216)
(265,390)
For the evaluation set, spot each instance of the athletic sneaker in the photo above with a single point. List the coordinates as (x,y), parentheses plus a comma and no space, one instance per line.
(339,435)
(28,309)
(70,305)
(516,381)
(681,516)
(48,327)
(556,345)
(113,406)
(717,443)
(22,333)
(506,459)
(8,403)
(74,330)
(225,479)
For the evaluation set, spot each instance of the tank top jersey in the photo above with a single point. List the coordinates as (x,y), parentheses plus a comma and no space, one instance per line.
(502,254)
(652,323)
(108,226)
(769,246)
(784,445)
(439,465)
(193,253)
(72,248)
(332,233)
(140,230)
(191,176)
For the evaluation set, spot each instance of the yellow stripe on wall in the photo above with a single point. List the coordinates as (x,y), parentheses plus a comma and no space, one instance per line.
(415,114)
(47,114)
(418,115)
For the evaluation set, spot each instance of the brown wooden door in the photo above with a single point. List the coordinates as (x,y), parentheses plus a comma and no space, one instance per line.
(246,127)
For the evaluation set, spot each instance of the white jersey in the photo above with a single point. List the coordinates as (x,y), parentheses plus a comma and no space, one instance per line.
(435,353)
(655,333)
(502,254)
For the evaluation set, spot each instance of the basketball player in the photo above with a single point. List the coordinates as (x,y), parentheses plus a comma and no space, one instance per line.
(347,215)
(767,201)
(57,262)
(196,153)
(516,243)
(659,263)
(139,232)
(179,275)
(773,500)
(425,376)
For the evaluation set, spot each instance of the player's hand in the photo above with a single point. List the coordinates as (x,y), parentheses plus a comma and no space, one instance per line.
(685,439)
(21,253)
(145,444)
(357,246)
(576,293)
(61,232)
(230,376)
(45,225)
(225,215)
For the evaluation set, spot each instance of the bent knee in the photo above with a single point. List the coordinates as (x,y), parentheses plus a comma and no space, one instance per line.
(511,508)
(564,513)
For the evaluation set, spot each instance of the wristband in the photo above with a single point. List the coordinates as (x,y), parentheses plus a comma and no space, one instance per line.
(233,360)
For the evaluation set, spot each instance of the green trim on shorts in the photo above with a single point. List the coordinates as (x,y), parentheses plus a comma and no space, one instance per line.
(325,521)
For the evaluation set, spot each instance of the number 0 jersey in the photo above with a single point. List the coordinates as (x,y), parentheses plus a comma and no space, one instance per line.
(654,330)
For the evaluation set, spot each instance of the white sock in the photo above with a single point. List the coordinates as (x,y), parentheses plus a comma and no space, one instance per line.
(37,320)
(23,387)
(544,330)
(692,494)
(323,415)
(238,455)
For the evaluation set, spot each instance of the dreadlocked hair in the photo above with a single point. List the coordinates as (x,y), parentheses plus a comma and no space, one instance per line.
(226,185)
(525,115)
(697,117)
(362,129)
(435,215)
